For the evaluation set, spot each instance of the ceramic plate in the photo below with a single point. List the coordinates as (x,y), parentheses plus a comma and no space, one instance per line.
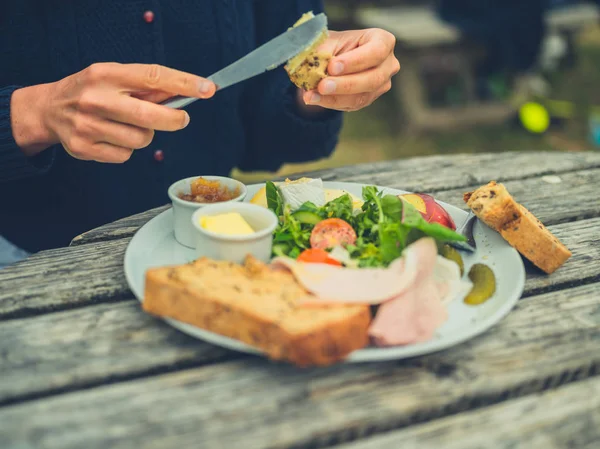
(154,245)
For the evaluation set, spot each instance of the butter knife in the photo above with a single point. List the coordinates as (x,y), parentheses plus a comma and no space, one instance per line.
(266,57)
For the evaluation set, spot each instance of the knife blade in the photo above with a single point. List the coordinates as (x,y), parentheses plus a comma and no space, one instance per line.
(266,57)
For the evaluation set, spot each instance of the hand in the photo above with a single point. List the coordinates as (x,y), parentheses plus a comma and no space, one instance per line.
(105,111)
(360,71)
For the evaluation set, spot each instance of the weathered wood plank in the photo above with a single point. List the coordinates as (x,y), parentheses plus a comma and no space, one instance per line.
(64,278)
(545,342)
(565,418)
(87,274)
(583,239)
(119,229)
(437,173)
(415,174)
(91,345)
(575,197)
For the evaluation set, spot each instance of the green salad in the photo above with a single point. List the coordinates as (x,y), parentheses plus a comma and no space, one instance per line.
(383,227)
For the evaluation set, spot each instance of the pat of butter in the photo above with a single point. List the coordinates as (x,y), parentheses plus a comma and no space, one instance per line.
(230,224)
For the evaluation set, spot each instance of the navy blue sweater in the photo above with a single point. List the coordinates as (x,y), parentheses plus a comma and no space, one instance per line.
(47,200)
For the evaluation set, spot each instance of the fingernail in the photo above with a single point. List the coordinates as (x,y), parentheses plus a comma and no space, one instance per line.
(337,68)
(205,87)
(186,121)
(328,87)
(315,98)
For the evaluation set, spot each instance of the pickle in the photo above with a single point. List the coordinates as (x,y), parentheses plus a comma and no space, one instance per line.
(451,253)
(484,284)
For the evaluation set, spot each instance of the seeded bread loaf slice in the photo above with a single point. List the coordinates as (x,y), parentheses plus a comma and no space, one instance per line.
(258,306)
(496,207)
(309,67)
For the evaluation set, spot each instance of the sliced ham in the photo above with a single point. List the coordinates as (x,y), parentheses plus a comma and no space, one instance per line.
(415,315)
(412,292)
(330,283)
(412,317)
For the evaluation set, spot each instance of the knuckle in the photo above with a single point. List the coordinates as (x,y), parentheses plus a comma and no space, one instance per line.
(96,72)
(186,84)
(140,113)
(379,80)
(395,66)
(82,125)
(361,101)
(77,147)
(153,74)
(87,101)
(390,38)
(347,86)
(142,139)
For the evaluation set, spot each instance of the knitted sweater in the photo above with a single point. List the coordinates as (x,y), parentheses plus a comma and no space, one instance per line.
(256,125)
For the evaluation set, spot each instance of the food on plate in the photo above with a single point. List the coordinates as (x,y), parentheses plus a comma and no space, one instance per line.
(258,305)
(496,207)
(313,255)
(452,253)
(231,223)
(309,67)
(332,232)
(260,197)
(370,235)
(431,211)
(294,193)
(309,311)
(412,292)
(207,191)
(484,284)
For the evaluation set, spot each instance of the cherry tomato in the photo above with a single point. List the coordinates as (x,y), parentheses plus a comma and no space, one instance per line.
(317,256)
(332,232)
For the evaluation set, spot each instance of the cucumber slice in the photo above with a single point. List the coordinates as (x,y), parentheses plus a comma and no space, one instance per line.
(307,217)
(280,249)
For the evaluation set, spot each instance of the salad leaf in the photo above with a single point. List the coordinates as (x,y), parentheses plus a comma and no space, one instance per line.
(340,207)
(384,226)
(412,218)
(274,200)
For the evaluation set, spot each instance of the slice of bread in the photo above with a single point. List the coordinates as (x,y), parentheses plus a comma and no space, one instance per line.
(520,228)
(258,306)
(309,67)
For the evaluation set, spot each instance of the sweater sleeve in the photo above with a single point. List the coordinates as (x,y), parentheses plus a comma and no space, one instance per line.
(277,130)
(13,162)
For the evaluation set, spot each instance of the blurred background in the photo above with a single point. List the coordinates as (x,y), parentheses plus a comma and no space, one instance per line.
(477,76)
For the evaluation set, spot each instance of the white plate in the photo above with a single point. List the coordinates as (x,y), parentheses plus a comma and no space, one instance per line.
(154,245)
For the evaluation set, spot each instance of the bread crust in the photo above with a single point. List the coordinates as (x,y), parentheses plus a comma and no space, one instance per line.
(496,207)
(258,306)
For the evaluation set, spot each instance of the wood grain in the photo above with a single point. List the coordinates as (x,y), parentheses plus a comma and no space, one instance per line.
(575,197)
(91,346)
(119,229)
(64,278)
(545,342)
(89,274)
(568,417)
(415,174)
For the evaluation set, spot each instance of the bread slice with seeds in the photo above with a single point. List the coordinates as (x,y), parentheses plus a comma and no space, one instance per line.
(496,207)
(257,305)
(309,67)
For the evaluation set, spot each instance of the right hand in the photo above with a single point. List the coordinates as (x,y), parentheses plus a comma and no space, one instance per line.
(105,111)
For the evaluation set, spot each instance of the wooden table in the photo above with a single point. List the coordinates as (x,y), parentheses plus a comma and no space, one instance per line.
(81,366)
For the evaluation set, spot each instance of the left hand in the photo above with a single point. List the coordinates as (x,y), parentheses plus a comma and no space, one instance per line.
(360,71)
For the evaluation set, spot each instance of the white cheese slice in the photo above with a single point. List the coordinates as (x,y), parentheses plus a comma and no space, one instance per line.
(296,193)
